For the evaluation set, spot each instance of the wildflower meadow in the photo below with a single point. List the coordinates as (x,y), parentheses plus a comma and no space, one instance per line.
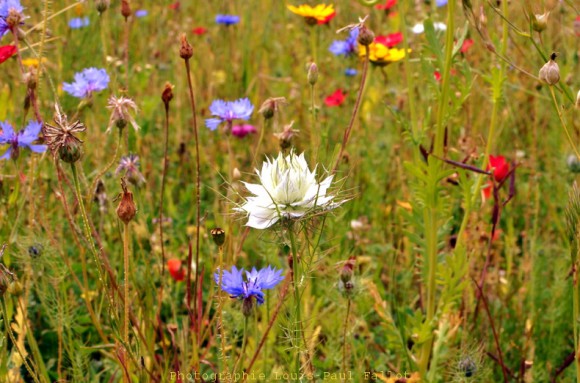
(289,191)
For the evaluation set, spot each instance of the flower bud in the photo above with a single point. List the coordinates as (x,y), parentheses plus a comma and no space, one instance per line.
(550,72)
(186,50)
(35,250)
(236,174)
(219,236)
(365,36)
(125,9)
(71,151)
(126,210)
(167,94)
(270,106)
(573,163)
(347,270)
(102,5)
(285,137)
(312,73)
(540,22)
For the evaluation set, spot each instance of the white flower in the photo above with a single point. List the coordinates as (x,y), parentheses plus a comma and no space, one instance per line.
(287,189)
(420,28)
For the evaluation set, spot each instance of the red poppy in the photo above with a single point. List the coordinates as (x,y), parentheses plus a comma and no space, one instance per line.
(467,43)
(500,166)
(335,99)
(327,18)
(390,4)
(389,40)
(175,6)
(6,52)
(501,169)
(174,267)
(437,75)
(199,31)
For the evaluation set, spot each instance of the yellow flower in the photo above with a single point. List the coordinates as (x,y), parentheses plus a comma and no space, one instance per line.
(319,14)
(33,62)
(382,55)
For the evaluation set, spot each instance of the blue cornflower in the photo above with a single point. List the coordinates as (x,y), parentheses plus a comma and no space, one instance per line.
(7,7)
(141,13)
(350,72)
(345,47)
(22,139)
(78,22)
(86,82)
(441,3)
(228,111)
(233,283)
(227,19)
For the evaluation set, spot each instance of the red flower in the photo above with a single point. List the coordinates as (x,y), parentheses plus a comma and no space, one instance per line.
(437,75)
(327,18)
(501,167)
(390,4)
(175,6)
(335,99)
(467,43)
(174,267)
(199,31)
(6,52)
(389,40)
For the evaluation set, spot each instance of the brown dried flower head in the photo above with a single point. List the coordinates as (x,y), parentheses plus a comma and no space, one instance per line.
(61,138)
(126,210)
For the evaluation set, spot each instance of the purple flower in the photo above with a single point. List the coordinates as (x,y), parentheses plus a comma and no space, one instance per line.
(228,111)
(242,131)
(7,7)
(233,282)
(350,72)
(441,3)
(345,47)
(227,19)
(86,82)
(141,13)
(22,139)
(78,22)
(129,167)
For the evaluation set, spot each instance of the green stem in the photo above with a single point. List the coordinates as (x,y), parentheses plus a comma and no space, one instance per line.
(86,226)
(563,122)
(576,317)
(296,279)
(430,211)
(244,344)
(105,170)
(344,367)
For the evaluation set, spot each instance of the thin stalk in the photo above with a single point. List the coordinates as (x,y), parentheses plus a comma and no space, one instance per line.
(244,344)
(344,366)
(266,126)
(576,318)
(126,295)
(313,133)
(105,170)
(430,211)
(86,225)
(355,110)
(161,198)
(296,279)
(563,122)
(220,324)
(197,187)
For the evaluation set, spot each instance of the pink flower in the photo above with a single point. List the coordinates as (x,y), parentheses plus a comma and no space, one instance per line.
(242,131)
(467,43)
